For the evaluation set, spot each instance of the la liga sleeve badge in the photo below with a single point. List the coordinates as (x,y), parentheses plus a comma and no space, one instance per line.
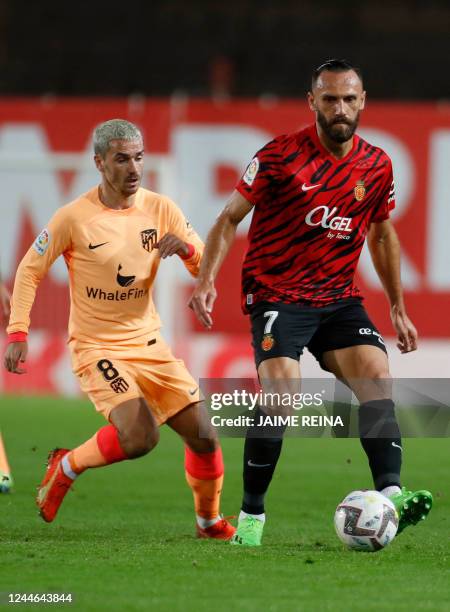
(252,171)
(40,245)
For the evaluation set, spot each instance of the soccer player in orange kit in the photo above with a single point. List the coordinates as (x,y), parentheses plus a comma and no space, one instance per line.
(113,238)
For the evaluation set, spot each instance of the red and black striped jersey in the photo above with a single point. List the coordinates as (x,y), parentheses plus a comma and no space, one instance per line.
(310,219)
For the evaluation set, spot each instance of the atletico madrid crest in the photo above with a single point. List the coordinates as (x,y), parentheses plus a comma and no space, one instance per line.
(360,190)
(149,238)
(267,342)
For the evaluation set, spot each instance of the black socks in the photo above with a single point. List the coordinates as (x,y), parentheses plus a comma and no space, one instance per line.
(380,438)
(260,459)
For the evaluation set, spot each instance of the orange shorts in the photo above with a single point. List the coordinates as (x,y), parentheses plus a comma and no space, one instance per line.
(113,375)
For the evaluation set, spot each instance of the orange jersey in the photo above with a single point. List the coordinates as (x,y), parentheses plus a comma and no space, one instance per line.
(112,263)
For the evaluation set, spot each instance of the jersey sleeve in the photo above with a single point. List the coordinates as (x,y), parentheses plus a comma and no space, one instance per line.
(262,174)
(386,197)
(54,240)
(181,227)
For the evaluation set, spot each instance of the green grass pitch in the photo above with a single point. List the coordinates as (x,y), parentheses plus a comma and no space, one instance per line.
(123,540)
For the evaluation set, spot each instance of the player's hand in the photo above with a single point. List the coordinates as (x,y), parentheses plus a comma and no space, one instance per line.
(202,302)
(172,245)
(4,301)
(16,352)
(407,333)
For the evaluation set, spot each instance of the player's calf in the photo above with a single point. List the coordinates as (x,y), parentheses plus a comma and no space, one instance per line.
(204,469)
(204,474)
(381,439)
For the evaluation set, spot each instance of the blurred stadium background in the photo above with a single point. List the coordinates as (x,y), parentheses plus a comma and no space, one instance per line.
(208,85)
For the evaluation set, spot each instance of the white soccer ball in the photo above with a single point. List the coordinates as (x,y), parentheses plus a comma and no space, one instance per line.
(366,520)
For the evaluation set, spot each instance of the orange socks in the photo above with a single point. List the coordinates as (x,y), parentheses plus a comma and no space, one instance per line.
(102,449)
(204,474)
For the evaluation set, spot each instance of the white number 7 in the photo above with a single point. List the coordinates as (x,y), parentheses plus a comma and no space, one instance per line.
(272,315)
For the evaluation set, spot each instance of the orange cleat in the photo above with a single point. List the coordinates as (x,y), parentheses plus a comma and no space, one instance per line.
(54,487)
(222,530)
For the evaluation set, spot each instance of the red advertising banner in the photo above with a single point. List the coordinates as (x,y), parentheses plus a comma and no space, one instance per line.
(196,151)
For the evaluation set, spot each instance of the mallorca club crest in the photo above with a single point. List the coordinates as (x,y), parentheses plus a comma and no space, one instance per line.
(267,342)
(149,238)
(360,191)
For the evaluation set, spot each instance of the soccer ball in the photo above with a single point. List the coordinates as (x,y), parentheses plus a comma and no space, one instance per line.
(6,483)
(366,520)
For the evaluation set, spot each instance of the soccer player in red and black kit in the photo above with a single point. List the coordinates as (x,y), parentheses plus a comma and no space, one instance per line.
(316,195)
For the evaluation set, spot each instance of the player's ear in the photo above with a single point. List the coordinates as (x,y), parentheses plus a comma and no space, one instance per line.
(311,103)
(99,161)
(363,100)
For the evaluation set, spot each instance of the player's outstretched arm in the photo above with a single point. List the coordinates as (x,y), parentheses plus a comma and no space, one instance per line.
(54,240)
(384,247)
(218,243)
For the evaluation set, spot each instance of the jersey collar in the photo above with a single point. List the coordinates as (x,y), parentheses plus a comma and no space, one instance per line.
(316,140)
(95,197)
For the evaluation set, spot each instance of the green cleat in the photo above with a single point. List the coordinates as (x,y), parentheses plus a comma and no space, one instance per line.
(6,482)
(412,507)
(249,532)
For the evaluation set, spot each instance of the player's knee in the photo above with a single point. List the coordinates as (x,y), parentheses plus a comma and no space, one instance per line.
(380,373)
(203,445)
(376,384)
(375,369)
(139,442)
(151,440)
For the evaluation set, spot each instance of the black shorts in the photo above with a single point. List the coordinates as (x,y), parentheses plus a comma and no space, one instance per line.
(283,330)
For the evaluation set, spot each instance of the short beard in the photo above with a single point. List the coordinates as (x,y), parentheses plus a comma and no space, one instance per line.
(339,134)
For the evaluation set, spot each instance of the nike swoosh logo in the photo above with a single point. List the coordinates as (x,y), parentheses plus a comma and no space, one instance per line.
(397,446)
(95,246)
(251,464)
(306,187)
(193,392)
